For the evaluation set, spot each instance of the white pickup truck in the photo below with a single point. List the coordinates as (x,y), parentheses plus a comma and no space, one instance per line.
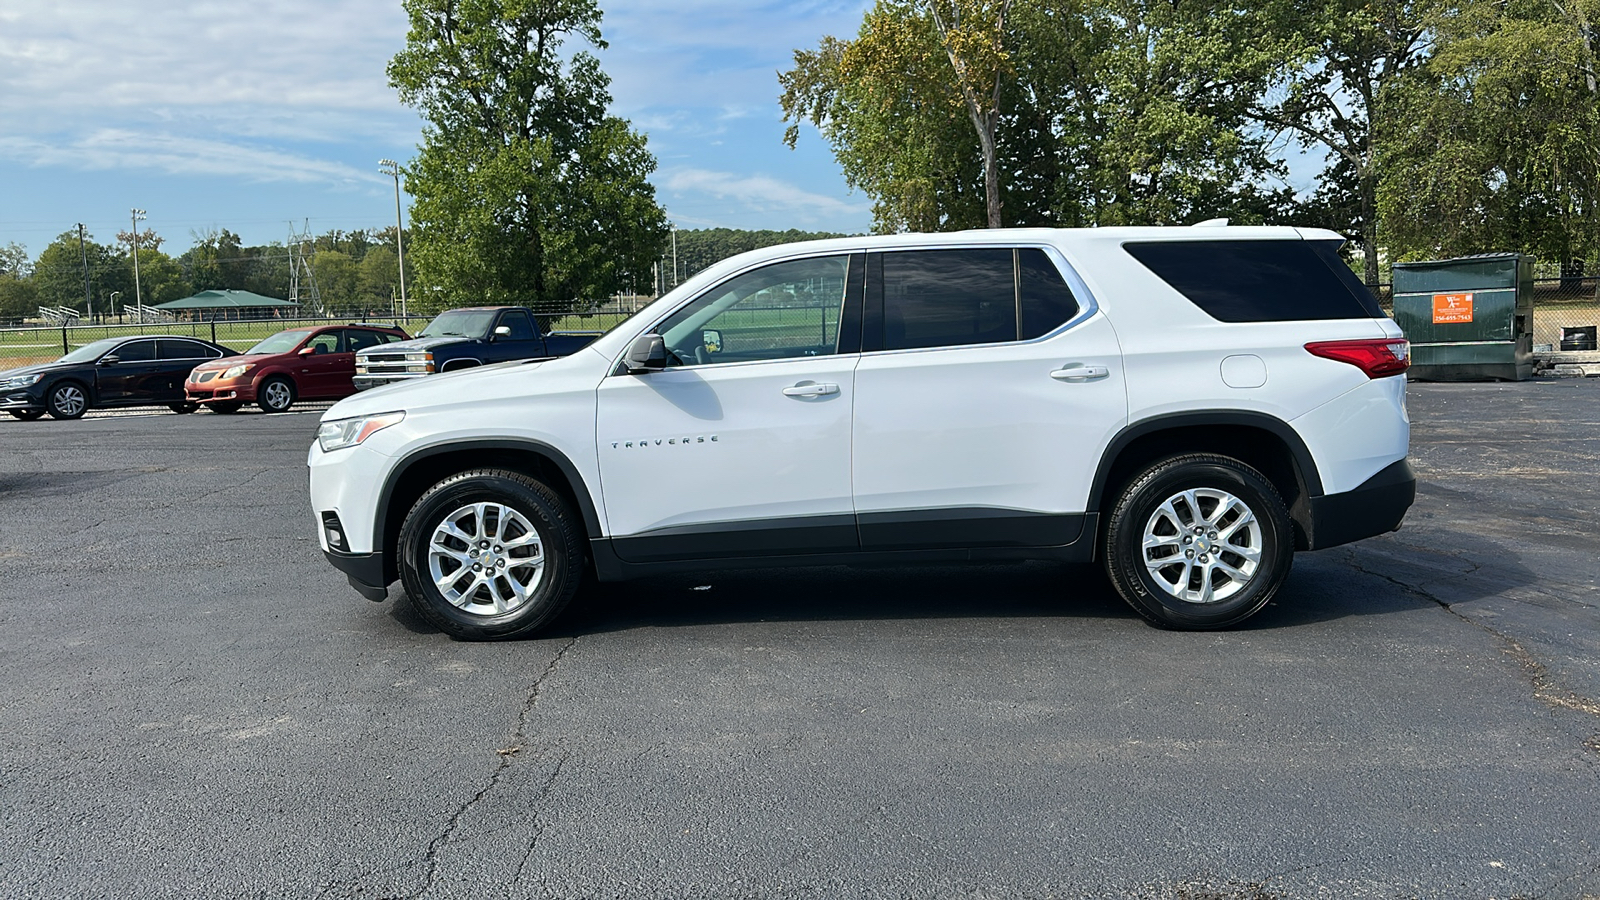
(1187,406)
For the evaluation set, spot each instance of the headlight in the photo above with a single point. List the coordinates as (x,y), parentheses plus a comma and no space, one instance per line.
(20,381)
(236,371)
(341,433)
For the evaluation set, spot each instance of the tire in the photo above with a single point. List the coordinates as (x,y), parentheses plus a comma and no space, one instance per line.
(465,515)
(226,409)
(26,415)
(276,395)
(183,409)
(1214,578)
(67,400)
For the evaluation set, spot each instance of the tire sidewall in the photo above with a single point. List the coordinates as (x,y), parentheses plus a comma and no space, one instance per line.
(55,389)
(264,392)
(562,550)
(1125,556)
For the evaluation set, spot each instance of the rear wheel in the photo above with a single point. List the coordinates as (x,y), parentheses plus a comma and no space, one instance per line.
(490,554)
(26,415)
(67,400)
(1199,542)
(277,395)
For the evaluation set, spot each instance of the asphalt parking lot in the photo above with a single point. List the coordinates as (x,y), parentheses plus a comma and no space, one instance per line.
(194,704)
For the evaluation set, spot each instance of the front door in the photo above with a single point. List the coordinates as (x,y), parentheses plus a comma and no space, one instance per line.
(741,447)
(134,377)
(318,373)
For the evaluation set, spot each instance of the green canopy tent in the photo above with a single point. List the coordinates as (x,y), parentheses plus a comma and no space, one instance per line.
(213,305)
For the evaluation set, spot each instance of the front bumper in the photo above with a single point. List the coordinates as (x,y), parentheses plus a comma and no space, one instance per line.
(1374,507)
(218,391)
(364,571)
(20,400)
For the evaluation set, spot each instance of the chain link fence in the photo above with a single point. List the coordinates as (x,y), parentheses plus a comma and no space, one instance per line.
(29,345)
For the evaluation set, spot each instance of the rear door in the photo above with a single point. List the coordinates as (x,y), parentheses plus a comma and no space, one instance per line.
(178,358)
(986,390)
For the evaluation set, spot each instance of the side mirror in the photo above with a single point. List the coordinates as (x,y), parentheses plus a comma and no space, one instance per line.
(501,331)
(647,354)
(307,351)
(109,360)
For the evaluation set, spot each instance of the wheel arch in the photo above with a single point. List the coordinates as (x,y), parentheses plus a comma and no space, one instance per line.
(1265,443)
(424,468)
(464,362)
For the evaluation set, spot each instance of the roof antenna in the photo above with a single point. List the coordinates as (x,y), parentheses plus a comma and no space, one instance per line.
(1211,223)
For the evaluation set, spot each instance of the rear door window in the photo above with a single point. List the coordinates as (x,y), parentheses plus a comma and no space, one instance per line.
(952,298)
(1259,281)
(171,349)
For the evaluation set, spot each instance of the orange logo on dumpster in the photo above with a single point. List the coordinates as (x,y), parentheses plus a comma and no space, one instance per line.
(1450,309)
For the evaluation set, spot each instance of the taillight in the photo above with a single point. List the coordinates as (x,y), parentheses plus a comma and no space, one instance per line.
(1377,357)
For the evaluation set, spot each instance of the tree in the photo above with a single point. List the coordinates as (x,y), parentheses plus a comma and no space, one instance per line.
(1353,57)
(215,262)
(1127,111)
(526,190)
(337,279)
(1493,145)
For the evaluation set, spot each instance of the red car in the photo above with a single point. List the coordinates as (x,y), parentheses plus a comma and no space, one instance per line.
(299,364)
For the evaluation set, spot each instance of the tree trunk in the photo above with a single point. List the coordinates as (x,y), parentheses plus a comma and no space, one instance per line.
(991,168)
(1367,183)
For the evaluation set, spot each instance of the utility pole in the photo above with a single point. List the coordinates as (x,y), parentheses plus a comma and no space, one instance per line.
(392,168)
(138,297)
(88,298)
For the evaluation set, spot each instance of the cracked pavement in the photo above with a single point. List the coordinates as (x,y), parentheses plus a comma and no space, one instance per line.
(195,704)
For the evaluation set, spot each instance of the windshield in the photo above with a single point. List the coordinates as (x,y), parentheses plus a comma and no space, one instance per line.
(282,342)
(91,351)
(460,323)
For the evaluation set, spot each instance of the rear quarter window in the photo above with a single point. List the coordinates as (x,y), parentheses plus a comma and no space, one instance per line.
(1260,281)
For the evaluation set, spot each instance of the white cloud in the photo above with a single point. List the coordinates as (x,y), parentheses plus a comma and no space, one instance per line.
(758,192)
(181,155)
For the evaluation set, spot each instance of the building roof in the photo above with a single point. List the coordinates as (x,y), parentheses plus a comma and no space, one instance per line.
(224,300)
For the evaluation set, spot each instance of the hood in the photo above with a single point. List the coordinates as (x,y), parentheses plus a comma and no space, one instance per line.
(239,359)
(425,343)
(38,367)
(423,391)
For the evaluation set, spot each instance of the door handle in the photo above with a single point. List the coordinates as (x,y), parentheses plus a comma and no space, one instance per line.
(810,389)
(1078,372)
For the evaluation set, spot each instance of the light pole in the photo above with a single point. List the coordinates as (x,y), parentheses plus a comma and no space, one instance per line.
(88,298)
(391,168)
(138,298)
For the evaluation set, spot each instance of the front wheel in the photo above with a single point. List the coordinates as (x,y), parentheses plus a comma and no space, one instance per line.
(67,400)
(277,395)
(490,554)
(1199,542)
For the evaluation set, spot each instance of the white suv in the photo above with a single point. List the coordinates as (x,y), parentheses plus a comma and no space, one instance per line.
(1188,406)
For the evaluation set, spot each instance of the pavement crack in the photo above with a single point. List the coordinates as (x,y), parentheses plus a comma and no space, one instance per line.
(1545,690)
(506,756)
(538,827)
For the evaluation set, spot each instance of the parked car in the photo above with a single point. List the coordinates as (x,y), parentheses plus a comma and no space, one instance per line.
(1186,406)
(298,364)
(140,370)
(464,339)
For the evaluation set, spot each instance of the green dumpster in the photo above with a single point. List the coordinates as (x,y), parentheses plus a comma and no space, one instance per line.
(1468,319)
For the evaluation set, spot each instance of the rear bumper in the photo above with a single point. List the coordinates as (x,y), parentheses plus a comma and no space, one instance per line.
(1374,507)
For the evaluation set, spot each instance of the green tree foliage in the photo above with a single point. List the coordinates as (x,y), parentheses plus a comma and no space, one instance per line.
(699,248)
(1337,90)
(18,296)
(338,279)
(526,190)
(1493,147)
(1107,113)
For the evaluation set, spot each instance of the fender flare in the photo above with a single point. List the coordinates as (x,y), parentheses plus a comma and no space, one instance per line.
(1305,465)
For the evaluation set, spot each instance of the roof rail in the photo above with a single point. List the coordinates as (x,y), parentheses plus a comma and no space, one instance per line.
(1211,223)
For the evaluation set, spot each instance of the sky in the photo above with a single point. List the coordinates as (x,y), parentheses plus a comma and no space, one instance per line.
(265,116)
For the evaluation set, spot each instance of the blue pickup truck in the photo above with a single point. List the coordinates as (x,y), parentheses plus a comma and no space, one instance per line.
(463,338)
